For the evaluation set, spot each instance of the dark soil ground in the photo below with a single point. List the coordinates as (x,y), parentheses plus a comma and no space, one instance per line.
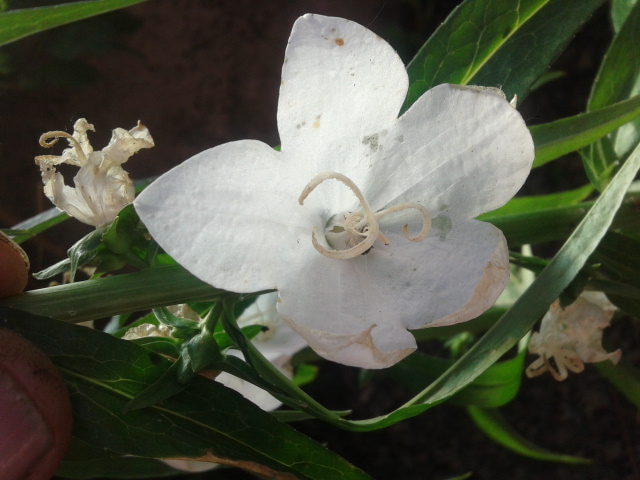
(199,73)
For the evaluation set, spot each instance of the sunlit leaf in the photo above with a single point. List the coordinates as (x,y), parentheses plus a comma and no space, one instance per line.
(497,43)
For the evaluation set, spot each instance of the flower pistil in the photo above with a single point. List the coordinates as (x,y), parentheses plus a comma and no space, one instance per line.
(350,234)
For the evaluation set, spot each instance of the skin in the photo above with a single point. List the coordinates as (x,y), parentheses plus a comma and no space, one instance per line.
(14,265)
(35,411)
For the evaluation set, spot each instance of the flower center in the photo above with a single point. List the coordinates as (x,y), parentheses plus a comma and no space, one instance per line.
(350,234)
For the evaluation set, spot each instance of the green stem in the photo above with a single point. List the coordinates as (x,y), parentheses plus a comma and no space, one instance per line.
(104,297)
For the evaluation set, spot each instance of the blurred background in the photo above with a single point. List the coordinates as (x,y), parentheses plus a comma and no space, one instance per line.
(199,73)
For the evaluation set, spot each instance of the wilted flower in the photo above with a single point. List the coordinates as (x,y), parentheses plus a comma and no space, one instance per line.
(572,336)
(363,221)
(102,187)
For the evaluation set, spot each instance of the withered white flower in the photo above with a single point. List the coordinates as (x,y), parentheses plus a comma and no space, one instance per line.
(570,337)
(102,187)
(324,220)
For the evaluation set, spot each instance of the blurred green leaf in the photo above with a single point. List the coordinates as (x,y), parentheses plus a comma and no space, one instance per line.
(16,24)
(494,425)
(32,226)
(495,387)
(620,11)
(555,139)
(618,79)
(618,273)
(497,43)
(104,373)
(624,376)
(539,202)
(85,462)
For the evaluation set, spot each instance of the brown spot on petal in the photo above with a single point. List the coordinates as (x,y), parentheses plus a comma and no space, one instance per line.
(339,42)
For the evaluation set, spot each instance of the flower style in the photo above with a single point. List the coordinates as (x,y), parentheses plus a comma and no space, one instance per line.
(363,221)
(572,336)
(102,187)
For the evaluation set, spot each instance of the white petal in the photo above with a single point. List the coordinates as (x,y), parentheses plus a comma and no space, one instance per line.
(230,215)
(459,151)
(124,144)
(356,312)
(341,85)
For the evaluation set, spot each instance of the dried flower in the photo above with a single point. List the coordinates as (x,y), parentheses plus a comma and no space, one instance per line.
(572,336)
(102,187)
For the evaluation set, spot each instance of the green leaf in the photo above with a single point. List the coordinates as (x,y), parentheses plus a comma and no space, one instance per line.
(497,43)
(529,204)
(104,373)
(619,11)
(16,24)
(492,423)
(532,305)
(618,79)
(624,376)
(100,298)
(39,223)
(495,387)
(554,139)
(84,462)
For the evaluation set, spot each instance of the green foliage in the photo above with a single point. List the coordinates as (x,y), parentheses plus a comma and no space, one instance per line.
(497,43)
(16,24)
(492,423)
(104,373)
(618,79)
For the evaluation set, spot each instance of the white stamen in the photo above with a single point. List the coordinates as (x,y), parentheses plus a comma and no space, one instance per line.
(360,229)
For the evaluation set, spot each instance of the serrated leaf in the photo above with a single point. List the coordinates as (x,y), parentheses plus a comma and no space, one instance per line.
(494,425)
(16,24)
(497,43)
(206,420)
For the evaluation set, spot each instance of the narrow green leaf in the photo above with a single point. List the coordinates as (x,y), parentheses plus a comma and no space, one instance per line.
(548,286)
(16,24)
(624,376)
(497,386)
(104,297)
(619,11)
(554,139)
(494,425)
(104,373)
(619,79)
(497,43)
(529,204)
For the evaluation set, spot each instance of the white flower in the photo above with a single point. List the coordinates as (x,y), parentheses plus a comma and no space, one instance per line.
(572,336)
(102,187)
(244,217)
